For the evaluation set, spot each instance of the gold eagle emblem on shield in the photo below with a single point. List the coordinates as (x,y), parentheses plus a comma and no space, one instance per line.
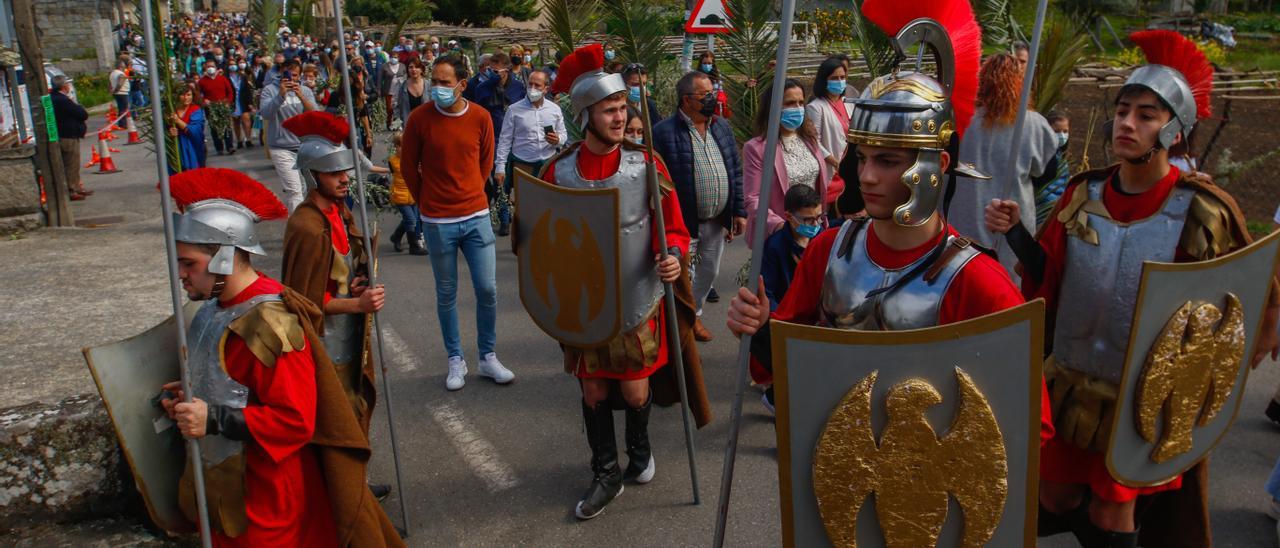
(912,471)
(1188,374)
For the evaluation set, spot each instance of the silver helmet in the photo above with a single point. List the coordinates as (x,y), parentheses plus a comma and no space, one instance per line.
(1180,75)
(323,145)
(222,207)
(591,88)
(910,109)
(1173,90)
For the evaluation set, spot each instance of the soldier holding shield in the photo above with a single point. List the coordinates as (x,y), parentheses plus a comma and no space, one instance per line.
(1088,263)
(614,372)
(901,266)
(264,391)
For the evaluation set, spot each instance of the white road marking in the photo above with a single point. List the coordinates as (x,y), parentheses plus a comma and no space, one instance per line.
(480,455)
(398,351)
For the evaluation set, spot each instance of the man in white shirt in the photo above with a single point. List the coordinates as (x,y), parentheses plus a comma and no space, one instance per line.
(532,130)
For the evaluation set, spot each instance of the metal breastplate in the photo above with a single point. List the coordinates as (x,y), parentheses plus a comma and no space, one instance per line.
(913,305)
(1100,284)
(638,273)
(344,333)
(209,379)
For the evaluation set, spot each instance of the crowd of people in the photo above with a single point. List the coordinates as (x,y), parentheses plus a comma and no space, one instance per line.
(841,202)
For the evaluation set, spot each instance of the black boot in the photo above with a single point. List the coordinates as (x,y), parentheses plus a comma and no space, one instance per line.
(395,239)
(1049,523)
(1092,536)
(380,490)
(504,228)
(417,246)
(607,483)
(1273,411)
(640,466)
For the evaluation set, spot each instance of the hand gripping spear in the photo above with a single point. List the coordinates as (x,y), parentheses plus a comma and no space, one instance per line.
(674,352)
(366,228)
(757,254)
(171,246)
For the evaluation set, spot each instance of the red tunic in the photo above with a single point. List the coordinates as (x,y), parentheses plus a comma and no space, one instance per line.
(982,287)
(338,233)
(1061,461)
(595,167)
(286,500)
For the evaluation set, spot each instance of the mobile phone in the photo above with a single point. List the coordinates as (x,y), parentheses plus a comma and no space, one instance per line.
(548,129)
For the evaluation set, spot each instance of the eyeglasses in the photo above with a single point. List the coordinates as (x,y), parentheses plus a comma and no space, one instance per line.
(811,221)
(634,67)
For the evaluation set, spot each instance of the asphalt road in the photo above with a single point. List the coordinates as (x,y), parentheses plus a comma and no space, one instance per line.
(504,465)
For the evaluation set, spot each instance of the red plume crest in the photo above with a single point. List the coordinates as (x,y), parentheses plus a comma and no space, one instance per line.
(583,60)
(966,42)
(1173,50)
(207,183)
(320,123)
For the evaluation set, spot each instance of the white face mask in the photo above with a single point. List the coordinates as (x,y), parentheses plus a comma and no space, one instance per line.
(535,95)
(210,71)
(1063,136)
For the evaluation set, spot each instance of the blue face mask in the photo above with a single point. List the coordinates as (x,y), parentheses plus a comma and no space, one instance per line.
(634,94)
(836,87)
(792,118)
(609,55)
(706,67)
(443,96)
(808,231)
(638,140)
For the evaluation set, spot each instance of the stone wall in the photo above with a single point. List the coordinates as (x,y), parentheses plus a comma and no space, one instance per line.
(61,463)
(65,26)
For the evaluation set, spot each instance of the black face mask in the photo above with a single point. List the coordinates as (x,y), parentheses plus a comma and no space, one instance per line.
(707,105)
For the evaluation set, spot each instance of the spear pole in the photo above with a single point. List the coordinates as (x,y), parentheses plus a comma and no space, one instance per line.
(171,248)
(757,254)
(366,228)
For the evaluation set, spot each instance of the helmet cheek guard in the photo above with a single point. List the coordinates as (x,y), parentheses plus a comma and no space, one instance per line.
(924,181)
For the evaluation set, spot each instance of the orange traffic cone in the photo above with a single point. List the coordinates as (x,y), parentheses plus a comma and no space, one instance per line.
(112,114)
(114,149)
(107,165)
(133,132)
(110,136)
(93,161)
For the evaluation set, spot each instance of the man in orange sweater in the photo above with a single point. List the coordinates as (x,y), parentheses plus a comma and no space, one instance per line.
(455,212)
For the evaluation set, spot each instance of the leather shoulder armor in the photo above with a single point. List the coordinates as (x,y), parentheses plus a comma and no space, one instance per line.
(270,330)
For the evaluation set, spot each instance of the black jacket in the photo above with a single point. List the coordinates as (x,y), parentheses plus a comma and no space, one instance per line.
(69,116)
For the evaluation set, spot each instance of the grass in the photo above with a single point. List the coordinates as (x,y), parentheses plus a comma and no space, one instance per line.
(92,90)
(1258,228)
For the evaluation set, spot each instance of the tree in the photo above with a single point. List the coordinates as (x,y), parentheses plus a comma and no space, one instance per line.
(570,22)
(390,12)
(481,13)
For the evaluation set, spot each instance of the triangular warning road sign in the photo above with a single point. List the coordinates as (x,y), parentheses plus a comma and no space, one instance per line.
(710,16)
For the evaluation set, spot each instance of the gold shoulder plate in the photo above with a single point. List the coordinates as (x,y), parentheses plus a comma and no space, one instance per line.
(270,330)
(1208,232)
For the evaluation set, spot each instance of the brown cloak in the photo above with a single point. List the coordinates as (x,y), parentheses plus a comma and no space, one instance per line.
(307,267)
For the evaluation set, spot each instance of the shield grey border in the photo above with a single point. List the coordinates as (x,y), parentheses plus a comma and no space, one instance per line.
(1164,288)
(597,208)
(128,375)
(1002,352)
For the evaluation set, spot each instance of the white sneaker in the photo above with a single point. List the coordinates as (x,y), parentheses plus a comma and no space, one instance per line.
(492,368)
(457,373)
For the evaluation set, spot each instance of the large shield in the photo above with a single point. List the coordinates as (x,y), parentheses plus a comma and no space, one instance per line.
(568,244)
(1194,331)
(129,374)
(925,437)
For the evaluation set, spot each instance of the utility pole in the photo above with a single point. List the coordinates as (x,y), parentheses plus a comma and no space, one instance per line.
(48,156)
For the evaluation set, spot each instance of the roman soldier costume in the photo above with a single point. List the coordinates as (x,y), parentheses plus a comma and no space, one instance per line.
(283,464)
(324,254)
(639,348)
(1087,265)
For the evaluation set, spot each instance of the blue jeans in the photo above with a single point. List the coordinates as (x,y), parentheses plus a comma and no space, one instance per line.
(410,223)
(476,240)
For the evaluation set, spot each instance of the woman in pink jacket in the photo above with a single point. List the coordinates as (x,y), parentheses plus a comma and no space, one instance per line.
(800,159)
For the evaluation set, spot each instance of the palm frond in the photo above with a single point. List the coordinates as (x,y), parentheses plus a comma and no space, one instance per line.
(164,72)
(749,48)
(411,14)
(570,21)
(1064,47)
(994,16)
(872,42)
(265,16)
(637,32)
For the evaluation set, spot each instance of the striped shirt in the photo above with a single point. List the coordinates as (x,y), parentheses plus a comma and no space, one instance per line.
(710,179)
